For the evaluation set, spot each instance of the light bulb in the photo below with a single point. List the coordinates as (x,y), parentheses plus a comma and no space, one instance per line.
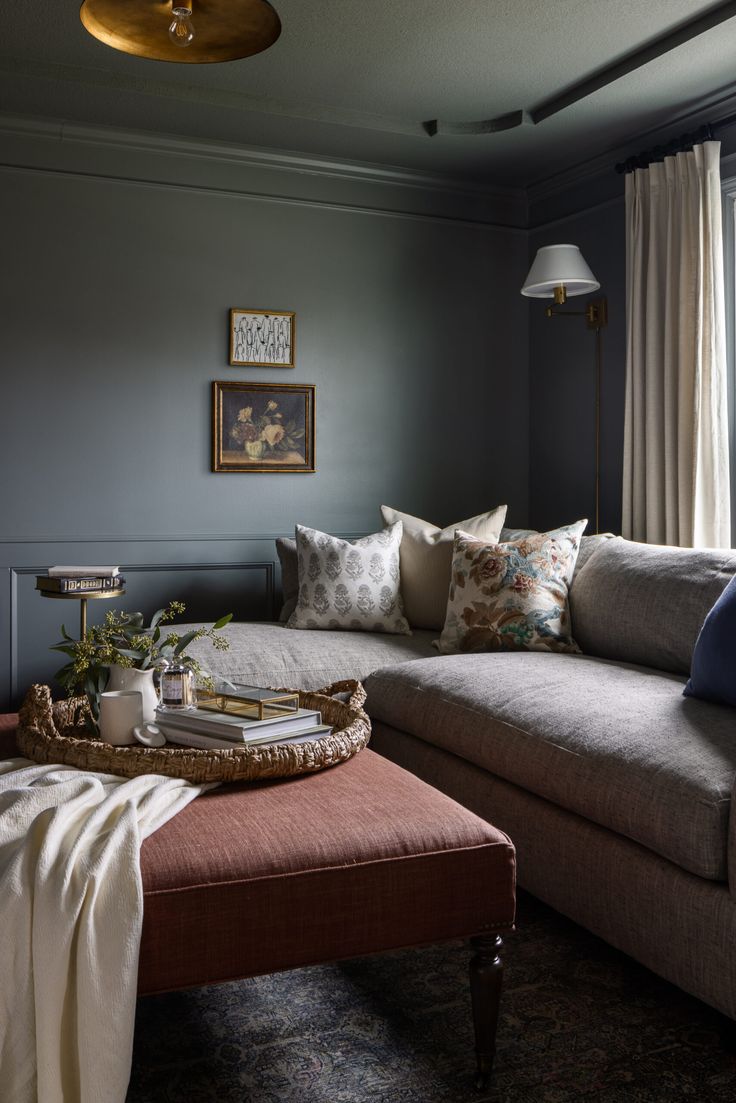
(181,31)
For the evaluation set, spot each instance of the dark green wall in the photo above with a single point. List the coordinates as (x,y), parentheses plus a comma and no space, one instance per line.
(562,380)
(589,211)
(121,261)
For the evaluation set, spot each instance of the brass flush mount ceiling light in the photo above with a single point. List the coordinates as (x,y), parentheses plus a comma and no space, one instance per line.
(196,31)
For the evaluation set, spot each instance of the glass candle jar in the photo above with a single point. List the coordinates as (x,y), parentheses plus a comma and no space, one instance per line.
(177,687)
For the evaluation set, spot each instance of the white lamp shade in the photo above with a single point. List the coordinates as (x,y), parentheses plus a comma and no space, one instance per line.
(559,266)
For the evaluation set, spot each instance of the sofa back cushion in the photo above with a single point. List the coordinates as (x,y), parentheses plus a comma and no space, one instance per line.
(286,550)
(645,603)
(588,546)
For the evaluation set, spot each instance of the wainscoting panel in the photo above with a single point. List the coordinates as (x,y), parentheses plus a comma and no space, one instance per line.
(237,575)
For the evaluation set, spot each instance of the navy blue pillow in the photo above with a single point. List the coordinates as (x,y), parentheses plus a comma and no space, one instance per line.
(713,670)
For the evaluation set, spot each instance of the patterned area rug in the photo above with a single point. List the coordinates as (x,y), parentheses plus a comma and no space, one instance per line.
(579,1021)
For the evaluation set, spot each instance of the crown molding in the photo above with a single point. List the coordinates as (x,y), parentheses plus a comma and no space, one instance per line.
(710,109)
(253,156)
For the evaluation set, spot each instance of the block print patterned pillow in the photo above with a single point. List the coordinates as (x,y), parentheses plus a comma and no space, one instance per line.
(349,585)
(512,596)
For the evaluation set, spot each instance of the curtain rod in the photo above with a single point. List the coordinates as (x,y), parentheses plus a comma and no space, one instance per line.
(681,144)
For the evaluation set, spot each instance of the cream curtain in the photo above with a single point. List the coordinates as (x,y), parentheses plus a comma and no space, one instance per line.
(676,472)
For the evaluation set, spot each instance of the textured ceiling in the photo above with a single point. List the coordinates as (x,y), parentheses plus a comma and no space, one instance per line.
(355,79)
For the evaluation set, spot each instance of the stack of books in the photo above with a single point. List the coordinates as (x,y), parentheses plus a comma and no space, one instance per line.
(81,580)
(204,728)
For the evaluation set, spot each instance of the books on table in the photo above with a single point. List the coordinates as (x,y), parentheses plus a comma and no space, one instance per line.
(229,730)
(76,584)
(83,572)
(212,742)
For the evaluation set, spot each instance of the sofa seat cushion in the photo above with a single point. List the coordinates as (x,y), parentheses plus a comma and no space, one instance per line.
(266,654)
(364,857)
(616,743)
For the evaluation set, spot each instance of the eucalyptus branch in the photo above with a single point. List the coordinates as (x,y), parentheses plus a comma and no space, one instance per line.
(124,640)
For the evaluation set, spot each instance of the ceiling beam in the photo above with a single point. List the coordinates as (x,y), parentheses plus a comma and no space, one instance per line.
(600,79)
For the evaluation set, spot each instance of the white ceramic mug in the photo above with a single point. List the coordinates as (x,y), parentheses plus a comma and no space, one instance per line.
(121,710)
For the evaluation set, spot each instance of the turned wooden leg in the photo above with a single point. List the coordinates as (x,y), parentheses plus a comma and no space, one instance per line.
(486,976)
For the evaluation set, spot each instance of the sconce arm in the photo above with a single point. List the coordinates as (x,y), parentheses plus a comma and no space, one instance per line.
(596,313)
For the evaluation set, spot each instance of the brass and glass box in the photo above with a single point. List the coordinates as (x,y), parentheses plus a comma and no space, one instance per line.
(247,701)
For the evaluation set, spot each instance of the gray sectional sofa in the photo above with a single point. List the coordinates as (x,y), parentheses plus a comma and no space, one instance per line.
(615,788)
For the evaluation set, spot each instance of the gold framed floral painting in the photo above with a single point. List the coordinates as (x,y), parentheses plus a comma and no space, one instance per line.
(263,427)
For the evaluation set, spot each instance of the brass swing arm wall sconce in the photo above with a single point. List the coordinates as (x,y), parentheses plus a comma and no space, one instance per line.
(559,272)
(595,313)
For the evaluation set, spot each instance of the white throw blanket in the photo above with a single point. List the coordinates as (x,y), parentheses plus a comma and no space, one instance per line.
(71,912)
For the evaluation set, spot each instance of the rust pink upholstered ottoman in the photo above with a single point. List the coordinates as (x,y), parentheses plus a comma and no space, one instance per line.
(357,859)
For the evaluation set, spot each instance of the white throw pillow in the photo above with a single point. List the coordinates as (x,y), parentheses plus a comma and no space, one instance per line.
(426,561)
(349,585)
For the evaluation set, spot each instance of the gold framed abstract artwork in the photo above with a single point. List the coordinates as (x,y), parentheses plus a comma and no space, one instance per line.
(263,427)
(262,338)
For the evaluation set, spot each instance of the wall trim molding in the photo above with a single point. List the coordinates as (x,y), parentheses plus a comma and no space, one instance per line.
(213,150)
(16,573)
(162,538)
(266,565)
(710,109)
(263,197)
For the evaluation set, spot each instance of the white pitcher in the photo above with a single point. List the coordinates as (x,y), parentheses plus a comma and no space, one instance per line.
(123,677)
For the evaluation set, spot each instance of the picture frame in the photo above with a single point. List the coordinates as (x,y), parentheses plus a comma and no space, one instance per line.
(262,338)
(263,427)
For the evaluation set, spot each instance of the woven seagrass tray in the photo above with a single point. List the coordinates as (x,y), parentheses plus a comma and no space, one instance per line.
(54,732)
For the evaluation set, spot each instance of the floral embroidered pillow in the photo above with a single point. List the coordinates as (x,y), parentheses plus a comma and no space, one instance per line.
(512,596)
(349,585)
